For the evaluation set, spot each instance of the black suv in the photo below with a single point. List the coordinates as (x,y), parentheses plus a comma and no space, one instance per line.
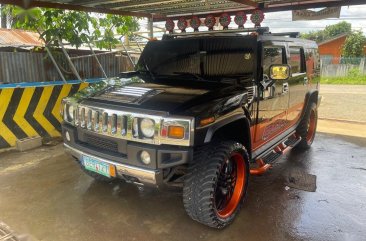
(196,112)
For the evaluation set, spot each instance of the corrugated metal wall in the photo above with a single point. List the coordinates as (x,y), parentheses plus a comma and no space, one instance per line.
(21,67)
(17,67)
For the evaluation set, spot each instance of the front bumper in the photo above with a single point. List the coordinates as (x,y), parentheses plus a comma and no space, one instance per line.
(124,155)
(142,176)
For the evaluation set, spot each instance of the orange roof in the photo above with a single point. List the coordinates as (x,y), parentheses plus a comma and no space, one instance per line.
(19,38)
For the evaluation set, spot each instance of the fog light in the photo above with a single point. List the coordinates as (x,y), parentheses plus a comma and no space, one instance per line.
(145,157)
(67,135)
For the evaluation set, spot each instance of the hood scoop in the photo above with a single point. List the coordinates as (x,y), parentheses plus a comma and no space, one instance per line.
(127,94)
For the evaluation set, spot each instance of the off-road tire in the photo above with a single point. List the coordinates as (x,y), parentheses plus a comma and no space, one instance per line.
(200,184)
(98,177)
(307,127)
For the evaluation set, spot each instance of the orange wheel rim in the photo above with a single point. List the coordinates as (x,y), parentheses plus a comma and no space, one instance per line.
(311,128)
(227,203)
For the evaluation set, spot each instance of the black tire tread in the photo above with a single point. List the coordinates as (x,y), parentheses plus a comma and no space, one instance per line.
(200,181)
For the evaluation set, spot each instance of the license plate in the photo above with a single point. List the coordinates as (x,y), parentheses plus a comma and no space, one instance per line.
(97,166)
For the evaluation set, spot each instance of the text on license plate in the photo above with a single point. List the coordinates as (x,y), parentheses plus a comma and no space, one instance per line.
(94,165)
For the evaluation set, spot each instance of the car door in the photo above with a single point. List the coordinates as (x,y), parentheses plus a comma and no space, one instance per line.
(298,83)
(273,99)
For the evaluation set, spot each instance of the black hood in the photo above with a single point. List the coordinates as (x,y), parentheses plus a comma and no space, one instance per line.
(174,99)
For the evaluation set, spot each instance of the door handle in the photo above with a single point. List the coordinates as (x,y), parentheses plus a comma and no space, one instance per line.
(285,88)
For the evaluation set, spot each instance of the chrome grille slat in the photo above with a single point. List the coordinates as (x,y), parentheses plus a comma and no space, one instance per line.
(105,122)
(114,124)
(124,125)
(89,122)
(96,121)
(100,122)
(82,117)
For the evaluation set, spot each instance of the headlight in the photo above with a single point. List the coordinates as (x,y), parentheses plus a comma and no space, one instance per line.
(147,127)
(70,113)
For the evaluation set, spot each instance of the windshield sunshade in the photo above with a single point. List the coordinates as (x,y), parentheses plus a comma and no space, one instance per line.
(207,57)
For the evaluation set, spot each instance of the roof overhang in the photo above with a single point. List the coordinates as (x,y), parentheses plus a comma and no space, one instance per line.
(159,10)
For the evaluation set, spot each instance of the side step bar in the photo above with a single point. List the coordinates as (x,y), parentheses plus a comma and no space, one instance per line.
(264,163)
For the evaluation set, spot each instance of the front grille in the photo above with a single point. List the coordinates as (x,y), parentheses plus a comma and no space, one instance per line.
(125,125)
(101,143)
(113,123)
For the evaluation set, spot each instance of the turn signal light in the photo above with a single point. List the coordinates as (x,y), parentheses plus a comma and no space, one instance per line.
(176,132)
(207,121)
(112,171)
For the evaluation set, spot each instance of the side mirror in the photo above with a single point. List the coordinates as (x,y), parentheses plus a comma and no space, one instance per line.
(279,72)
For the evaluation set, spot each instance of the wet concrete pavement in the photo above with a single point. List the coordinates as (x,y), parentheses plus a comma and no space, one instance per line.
(45,194)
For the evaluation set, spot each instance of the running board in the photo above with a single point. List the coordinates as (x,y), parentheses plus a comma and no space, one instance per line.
(264,163)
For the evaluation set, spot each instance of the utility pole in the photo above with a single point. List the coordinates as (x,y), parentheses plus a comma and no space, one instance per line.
(3,17)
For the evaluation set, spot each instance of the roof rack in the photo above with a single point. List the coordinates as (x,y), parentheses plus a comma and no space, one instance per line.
(290,34)
(260,30)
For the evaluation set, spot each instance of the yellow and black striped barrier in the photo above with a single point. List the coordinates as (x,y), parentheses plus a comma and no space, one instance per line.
(33,109)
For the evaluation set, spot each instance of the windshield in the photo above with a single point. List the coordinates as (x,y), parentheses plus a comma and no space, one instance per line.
(211,58)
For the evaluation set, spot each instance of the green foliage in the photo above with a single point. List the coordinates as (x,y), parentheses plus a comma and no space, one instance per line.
(107,26)
(73,27)
(354,73)
(354,45)
(329,32)
(361,80)
(354,77)
(337,29)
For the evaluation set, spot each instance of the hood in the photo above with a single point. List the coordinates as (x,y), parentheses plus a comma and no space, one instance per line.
(174,99)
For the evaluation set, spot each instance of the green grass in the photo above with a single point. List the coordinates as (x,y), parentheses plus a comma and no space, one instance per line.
(349,80)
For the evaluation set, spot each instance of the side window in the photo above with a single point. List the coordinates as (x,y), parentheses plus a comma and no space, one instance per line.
(272,55)
(296,60)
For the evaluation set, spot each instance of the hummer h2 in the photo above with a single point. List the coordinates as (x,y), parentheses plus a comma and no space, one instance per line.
(201,112)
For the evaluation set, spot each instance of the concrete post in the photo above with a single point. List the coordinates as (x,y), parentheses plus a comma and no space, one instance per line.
(150,27)
(3,17)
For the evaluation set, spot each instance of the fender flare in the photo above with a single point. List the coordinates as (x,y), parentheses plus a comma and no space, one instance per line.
(312,96)
(212,130)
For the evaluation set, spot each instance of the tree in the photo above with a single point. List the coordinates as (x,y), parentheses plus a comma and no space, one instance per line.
(337,29)
(354,45)
(111,24)
(329,32)
(73,27)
